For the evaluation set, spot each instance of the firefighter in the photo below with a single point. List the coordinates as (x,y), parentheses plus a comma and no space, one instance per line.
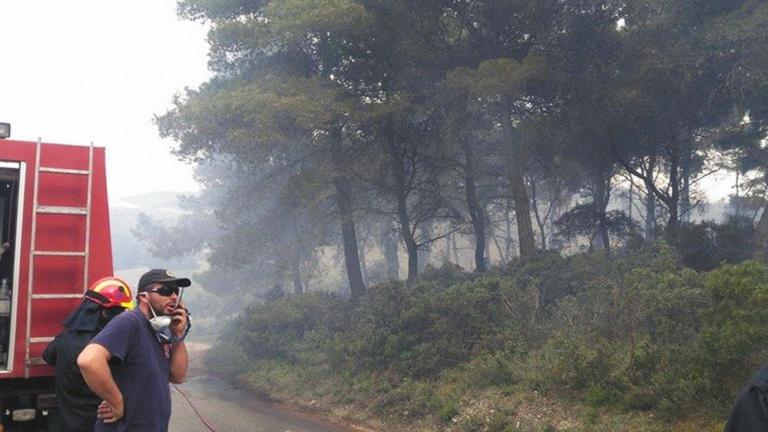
(78,405)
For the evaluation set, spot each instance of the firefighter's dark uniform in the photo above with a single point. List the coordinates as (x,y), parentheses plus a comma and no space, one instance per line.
(77,403)
(750,413)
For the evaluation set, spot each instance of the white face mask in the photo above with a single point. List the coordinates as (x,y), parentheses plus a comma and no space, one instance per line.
(161,325)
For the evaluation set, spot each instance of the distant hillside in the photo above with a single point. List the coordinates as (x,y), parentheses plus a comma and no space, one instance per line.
(128,252)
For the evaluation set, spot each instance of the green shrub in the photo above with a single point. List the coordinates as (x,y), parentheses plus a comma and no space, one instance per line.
(705,245)
(497,369)
(629,338)
(280,329)
(569,362)
(735,324)
(598,396)
(446,410)
(428,328)
(549,273)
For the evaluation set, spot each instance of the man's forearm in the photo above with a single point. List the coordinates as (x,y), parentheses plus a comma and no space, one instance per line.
(179,363)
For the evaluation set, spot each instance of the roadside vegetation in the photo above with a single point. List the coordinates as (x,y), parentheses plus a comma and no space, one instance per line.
(634,341)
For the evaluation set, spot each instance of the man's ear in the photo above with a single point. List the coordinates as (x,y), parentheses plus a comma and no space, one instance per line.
(142,298)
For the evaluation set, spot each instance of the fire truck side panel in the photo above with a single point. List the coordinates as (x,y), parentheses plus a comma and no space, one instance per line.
(56,274)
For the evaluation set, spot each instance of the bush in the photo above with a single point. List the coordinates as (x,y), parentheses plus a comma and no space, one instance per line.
(446,410)
(735,324)
(277,330)
(428,328)
(548,272)
(705,245)
(568,361)
(629,332)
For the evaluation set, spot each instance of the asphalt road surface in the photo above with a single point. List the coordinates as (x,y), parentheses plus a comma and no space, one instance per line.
(225,408)
(228,409)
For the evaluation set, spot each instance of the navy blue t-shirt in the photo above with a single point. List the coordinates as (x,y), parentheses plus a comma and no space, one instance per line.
(140,366)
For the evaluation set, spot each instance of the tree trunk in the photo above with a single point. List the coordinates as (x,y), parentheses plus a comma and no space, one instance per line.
(425,254)
(523,215)
(685,198)
(737,210)
(650,217)
(650,204)
(539,222)
(298,286)
(344,203)
(761,233)
(525,235)
(685,191)
(456,256)
(448,246)
(390,255)
(602,196)
(604,236)
(508,241)
(349,237)
(398,173)
(476,211)
(499,249)
(412,249)
(363,264)
(674,182)
(489,236)
(276,292)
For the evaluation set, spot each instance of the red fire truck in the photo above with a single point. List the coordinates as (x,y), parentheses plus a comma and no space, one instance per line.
(54,224)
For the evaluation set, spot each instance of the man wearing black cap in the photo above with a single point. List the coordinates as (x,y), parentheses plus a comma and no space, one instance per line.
(130,363)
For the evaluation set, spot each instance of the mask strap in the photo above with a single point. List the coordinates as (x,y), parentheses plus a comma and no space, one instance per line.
(151,308)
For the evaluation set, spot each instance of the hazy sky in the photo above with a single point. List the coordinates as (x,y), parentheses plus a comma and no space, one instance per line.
(93,70)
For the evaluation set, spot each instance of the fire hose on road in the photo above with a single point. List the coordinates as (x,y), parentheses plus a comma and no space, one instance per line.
(194,408)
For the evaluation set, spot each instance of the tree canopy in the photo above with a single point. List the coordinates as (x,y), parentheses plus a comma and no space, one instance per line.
(431,121)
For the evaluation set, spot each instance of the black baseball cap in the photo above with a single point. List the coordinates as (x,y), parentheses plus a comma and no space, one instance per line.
(161,276)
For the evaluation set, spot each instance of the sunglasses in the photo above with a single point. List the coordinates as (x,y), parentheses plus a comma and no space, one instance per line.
(166,290)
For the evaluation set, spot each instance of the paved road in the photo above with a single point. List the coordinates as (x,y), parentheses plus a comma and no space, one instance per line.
(228,409)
